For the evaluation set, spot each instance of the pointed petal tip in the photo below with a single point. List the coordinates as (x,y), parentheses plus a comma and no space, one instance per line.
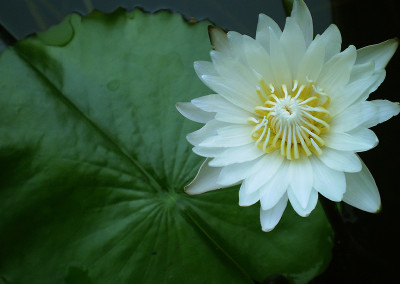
(362,192)
(218,38)
(188,189)
(264,229)
(379,209)
(205,180)
(395,42)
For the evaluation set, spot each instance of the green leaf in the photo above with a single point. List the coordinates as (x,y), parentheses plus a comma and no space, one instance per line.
(93,161)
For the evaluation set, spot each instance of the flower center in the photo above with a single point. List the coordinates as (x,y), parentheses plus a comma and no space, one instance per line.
(291,120)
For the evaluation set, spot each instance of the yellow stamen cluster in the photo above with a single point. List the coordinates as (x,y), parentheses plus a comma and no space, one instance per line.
(291,119)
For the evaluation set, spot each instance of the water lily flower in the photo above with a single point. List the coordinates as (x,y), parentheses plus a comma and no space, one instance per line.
(288,116)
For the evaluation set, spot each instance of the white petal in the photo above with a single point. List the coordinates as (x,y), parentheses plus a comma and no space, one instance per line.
(380,76)
(384,111)
(218,38)
(233,70)
(291,37)
(225,110)
(332,40)
(270,218)
(192,112)
(379,53)
(312,202)
(358,140)
(247,198)
(340,160)
(362,191)
(366,113)
(279,62)
(204,68)
(205,180)
(208,130)
(270,164)
(236,46)
(207,151)
(232,91)
(230,136)
(237,155)
(356,91)
(353,117)
(263,26)
(236,172)
(258,59)
(272,191)
(301,180)
(328,182)
(336,72)
(302,15)
(361,71)
(312,62)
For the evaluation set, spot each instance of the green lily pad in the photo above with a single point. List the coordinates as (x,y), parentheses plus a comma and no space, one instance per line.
(93,161)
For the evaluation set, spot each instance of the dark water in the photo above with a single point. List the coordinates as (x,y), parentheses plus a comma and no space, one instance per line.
(368,243)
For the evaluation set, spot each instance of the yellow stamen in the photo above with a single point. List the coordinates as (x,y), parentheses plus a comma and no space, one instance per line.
(291,119)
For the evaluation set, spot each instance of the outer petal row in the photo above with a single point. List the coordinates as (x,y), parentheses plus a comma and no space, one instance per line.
(379,53)
(366,114)
(362,191)
(359,190)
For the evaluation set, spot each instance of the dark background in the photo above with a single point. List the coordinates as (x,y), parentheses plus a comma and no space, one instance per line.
(367,245)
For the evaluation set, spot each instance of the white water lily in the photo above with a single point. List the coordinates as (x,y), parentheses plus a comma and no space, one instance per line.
(288,116)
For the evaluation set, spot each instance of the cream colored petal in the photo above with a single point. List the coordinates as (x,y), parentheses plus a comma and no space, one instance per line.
(239,154)
(336,72)
(236,46)
(302,16)
(236,172)
(270,165)
(258,59)
(230,136)
(342,161)
(332,40)
(358,140)
(366,114)
(247,199)
(218,39)
(270,218)
(232,91)
(263,26)
(301,180)
(208,130)
(272,191)
(384,111)
(361,71)
(194,113)
(205,180)
(204,68)
(312,202)
(353,93)
(223,109)
(234,70)
(279,62)
(379,53)
(328,182)
(292,37)
(311,64)
(207,151)
(361,191)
